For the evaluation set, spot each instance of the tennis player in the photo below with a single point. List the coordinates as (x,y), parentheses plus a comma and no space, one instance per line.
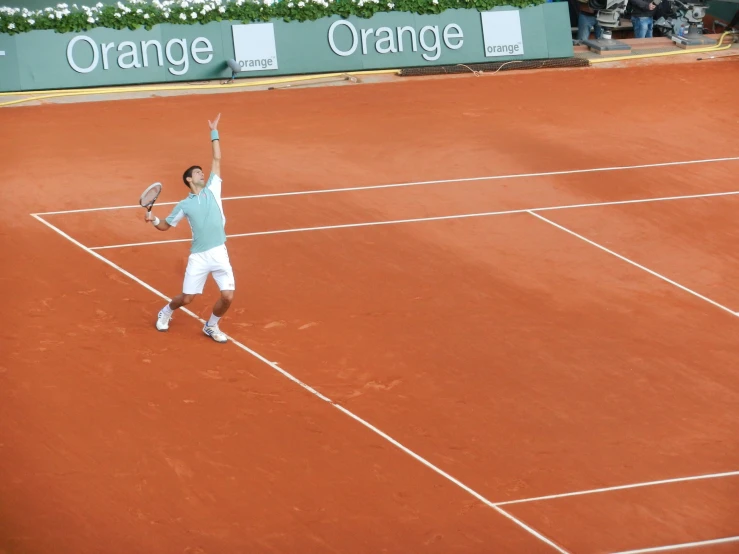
(203,210)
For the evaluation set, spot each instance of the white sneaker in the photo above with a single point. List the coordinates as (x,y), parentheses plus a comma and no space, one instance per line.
(215,333)
(163,321)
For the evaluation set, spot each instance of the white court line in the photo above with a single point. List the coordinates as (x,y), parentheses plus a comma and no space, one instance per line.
(619,256)
(421,183)
(621,487)
(436,218)
(680,546)
(314,392)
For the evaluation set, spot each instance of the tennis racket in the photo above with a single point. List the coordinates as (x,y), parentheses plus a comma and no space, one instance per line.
(150,196)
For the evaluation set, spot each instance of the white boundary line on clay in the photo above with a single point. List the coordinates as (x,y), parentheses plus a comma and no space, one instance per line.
(423,219)
(620,488)
(423,183)
(680,546)
(627,260)
(314,392)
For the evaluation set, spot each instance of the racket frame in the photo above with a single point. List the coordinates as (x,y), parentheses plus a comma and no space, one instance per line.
(150,205)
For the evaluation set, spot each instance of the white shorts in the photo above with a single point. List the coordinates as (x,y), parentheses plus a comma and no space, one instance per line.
(201,264)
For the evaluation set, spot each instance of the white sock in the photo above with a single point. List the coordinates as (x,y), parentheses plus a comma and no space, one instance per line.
(167,310)
(213,321)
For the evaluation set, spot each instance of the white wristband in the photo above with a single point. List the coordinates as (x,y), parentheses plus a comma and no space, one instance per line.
(155,222)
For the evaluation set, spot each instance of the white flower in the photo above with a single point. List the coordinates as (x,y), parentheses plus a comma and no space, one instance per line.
(301,4)
(31,21)
(222,9)
(183,16)
(139,11)
(146,16)
(11,26)
(194,15)
(90,20)
(118,15)
(391,5)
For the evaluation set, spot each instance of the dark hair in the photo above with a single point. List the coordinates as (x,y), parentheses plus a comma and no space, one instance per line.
(188,173)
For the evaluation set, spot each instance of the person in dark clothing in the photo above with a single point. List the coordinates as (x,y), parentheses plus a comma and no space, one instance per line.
(586,21)
(734,23)
(642,17)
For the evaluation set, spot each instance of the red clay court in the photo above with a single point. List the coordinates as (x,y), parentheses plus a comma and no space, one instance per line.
(479,315)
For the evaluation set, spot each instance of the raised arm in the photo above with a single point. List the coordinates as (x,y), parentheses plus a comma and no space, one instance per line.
(216,166)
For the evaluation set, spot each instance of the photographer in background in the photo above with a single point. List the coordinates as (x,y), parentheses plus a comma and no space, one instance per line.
(586,21)
(642,17)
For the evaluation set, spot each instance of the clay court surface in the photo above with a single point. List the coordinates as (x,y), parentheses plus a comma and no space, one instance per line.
(546,306)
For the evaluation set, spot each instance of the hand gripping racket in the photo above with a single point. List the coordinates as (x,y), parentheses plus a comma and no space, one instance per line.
(150,196)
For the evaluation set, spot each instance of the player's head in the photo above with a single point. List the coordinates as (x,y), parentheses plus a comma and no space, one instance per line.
(194,176)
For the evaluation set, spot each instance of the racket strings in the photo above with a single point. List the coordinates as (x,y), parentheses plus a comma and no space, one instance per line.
(149,197)
(150,194)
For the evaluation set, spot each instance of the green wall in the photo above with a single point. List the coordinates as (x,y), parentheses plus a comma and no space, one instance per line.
(41,60)
(723,10)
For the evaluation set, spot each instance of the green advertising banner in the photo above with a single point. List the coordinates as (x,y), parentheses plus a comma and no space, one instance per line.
(40,60)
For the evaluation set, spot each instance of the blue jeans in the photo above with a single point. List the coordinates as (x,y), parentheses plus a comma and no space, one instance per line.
(585,22)
(642,27)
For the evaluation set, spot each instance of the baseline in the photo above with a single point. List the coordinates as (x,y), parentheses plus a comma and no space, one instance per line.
(314,392)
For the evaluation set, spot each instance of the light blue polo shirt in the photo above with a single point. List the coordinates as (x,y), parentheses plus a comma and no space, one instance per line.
(204,213)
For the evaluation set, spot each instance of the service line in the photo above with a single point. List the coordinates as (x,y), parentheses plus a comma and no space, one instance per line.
(421,219)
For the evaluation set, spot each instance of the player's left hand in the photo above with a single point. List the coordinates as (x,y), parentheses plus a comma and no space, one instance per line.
(214,124)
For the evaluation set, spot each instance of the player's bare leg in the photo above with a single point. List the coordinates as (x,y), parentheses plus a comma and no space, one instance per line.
(165,315)
(223,304)
(219,310)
